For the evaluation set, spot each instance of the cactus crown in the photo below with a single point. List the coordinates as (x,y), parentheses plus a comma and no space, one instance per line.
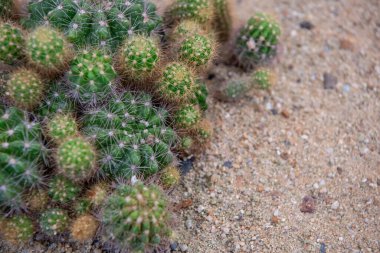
(196,50)
(25,88)
(54,221)
(186,28)
(62,190)
(61,126)
(11,43)
(131,135)
(170,177)
(136,215)
(258,39)
(187,116)
(84,228)
(21,156)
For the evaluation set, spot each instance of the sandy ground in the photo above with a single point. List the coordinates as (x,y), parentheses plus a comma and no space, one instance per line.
(272,151)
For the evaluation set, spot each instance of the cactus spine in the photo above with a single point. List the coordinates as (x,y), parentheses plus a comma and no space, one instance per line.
(11,43)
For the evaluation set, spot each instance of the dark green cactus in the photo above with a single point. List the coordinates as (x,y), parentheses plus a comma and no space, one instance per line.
(47,50)
(21,156)
(11,43)
(17,230)
(103,23)
(136,216)
(76,158)
(62,126)
(91,76)
(187,116)
(200,11)
(25,88)
(54,221)
(139,57)
(257,40)
(63,190)
(131,135)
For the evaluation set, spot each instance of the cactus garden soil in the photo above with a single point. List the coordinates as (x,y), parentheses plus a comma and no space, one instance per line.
(296,169)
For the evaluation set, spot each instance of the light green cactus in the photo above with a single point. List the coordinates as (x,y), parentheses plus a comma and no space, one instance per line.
(187,116)
(11,43)
(264,78)
(62,126)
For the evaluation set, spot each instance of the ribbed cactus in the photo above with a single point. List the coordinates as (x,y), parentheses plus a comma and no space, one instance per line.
(139,57)
(91,76)
(11,43)
(84,228)
(76,158)
(257,40)
(170,177)
(61,126)
(264,78)
(17,230)
(187,116)
(197,50)
(201,11)
(47,50)
(136,216)
(21,156)
(177,83)
(223,19)
(131,135)
(103,23)
(54,221)
(63,190)
(25,88)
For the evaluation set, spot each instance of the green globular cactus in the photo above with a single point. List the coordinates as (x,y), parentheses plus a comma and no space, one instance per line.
(91,76)
(11,43)
(187,116)
(200,96)
(170,177)
(76,159)
(136,216)
(177,83)
(186,28)
(17,230)
(62,126)
(103,23)
(200,11)
(21,156)
(6,7)
(257,40)
(63,190)
(223,19)
(131,135)
(47,50)
(264,78)
(197,50)
(139,57)
(54,221)
(25,88)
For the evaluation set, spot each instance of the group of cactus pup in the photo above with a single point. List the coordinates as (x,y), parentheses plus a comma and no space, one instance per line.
(100,101)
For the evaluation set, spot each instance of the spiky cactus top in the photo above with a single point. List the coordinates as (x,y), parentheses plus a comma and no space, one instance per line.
(63,190)
(201,11)
(136,216)
(139,57)
(21,155)
(25,88)
(131,135)
(264,78)
(76,159)
(186,28)
(48,50)
(257,40)
(61,126)
(197,50)
(101,23)
(91,76)
(177,83)
(187,117)
(54,221)
(11,43)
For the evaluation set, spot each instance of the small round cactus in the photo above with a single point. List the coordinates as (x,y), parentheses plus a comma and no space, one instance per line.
(97,194)
(201,11)
(84,228)
(197,50)
(11,43)
(91,76)
(264,78)
(187,142)
(61,126)
(233,89)
(37,200)
(139,57)
(62,190)
(17,230)
(186,28)
(136,216)
(54,221)
(76,159)
(257,40)
(187,116)
(25,88)
(170,177)
(177,83)
(48,50)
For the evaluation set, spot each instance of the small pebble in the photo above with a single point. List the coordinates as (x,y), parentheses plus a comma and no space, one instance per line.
(308,205)
(329,81)
(306,25)
(335,205)
(189,224)
(174,246)
(183,247)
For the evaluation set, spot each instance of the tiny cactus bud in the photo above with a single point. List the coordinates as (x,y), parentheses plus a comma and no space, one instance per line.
(170,177)
(264,78)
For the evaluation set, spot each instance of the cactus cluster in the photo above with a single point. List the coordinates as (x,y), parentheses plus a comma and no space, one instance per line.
(102,23)
(11,42)
(136,216)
